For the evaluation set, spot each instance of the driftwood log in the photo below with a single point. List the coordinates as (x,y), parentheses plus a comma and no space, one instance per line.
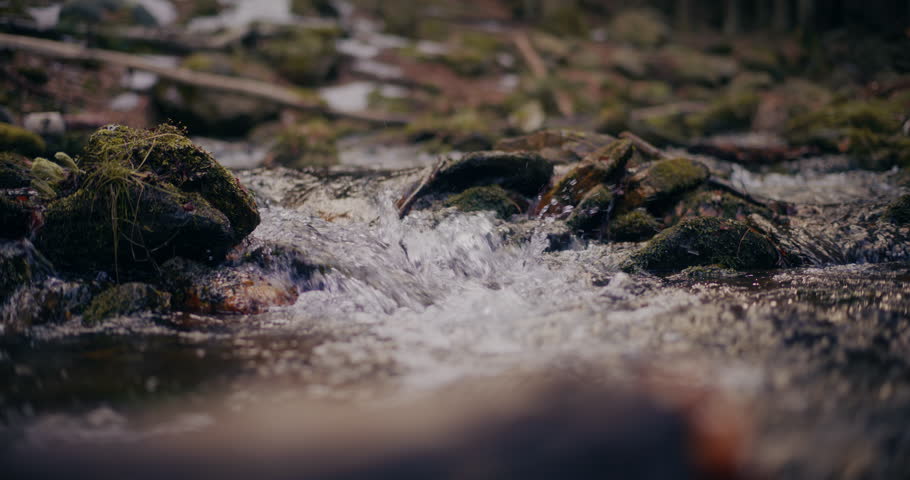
(283,96)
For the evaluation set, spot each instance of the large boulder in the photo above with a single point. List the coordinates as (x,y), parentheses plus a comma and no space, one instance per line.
(662,182)
(146,196)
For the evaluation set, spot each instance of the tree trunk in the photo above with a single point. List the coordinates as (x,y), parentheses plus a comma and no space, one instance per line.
(732,15)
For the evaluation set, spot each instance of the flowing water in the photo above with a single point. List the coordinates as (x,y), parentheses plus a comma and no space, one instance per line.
(817,356)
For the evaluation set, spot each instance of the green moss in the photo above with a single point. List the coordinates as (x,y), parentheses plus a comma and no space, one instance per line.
(899,211)
(680,64)
(19,140)
(662,182)
(635,226)
(492,197)
(14,171)
(309,145)
(714,203)
(592,211)
(731,113)
(125,299)
(613,119)
(649,92)
(876,116)
(171,156)
(706,241)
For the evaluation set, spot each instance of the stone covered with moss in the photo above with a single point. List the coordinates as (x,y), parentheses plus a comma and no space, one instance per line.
(634,226)
(126,299)
(486,198)
(729,113)
(716,203)
(19,140)
(639,27)
(146,196)
(662,182)
(683,65)
(706,241)
(20,264)
(15,171)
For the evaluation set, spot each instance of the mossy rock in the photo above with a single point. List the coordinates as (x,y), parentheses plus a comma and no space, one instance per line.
(170,155)
(126,299)
(635,226)
(557,146)
(898,212)
(613,119)
(310,145)
(730,113)
(487,198)
(140,227)
(648,92)
(706,241)
(716,203)
(593,211)
(639,27)
(15,171)
(19,140)
(523,172)
(598,167)
(305,56)
(876,116)
(750,82)
(116,12)
(662,182)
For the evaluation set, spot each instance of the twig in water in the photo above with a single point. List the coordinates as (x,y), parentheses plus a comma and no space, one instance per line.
(405,203)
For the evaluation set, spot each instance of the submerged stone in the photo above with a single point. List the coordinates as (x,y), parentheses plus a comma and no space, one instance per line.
(706,241)
(593,211)
(524,172)
(662,182)
(635,226)
(490,198)
(126,299)
(19,140)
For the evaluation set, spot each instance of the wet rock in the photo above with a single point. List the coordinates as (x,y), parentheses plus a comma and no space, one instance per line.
(208,112)
(664,124)
(549,236)
(524,172)
(662,182)
(793,98)
(308,145)
(639,27)
(557,146)
(593,211)
(196,288)
(598,167)
(51,300)
(635,226)
(305,56)
(126,299)
(630,62)
(146,196)
(18,140)
(716,203)
(706,241)
(899,211)
(20,265)
(93,12)
(489,198)
(613,119)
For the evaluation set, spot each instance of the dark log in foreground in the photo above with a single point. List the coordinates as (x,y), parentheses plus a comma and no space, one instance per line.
(262,90)
(527,430)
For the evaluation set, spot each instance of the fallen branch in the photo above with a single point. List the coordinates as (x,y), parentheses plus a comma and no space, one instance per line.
(642,145)
(283,96)
(406,202)
(539,69)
